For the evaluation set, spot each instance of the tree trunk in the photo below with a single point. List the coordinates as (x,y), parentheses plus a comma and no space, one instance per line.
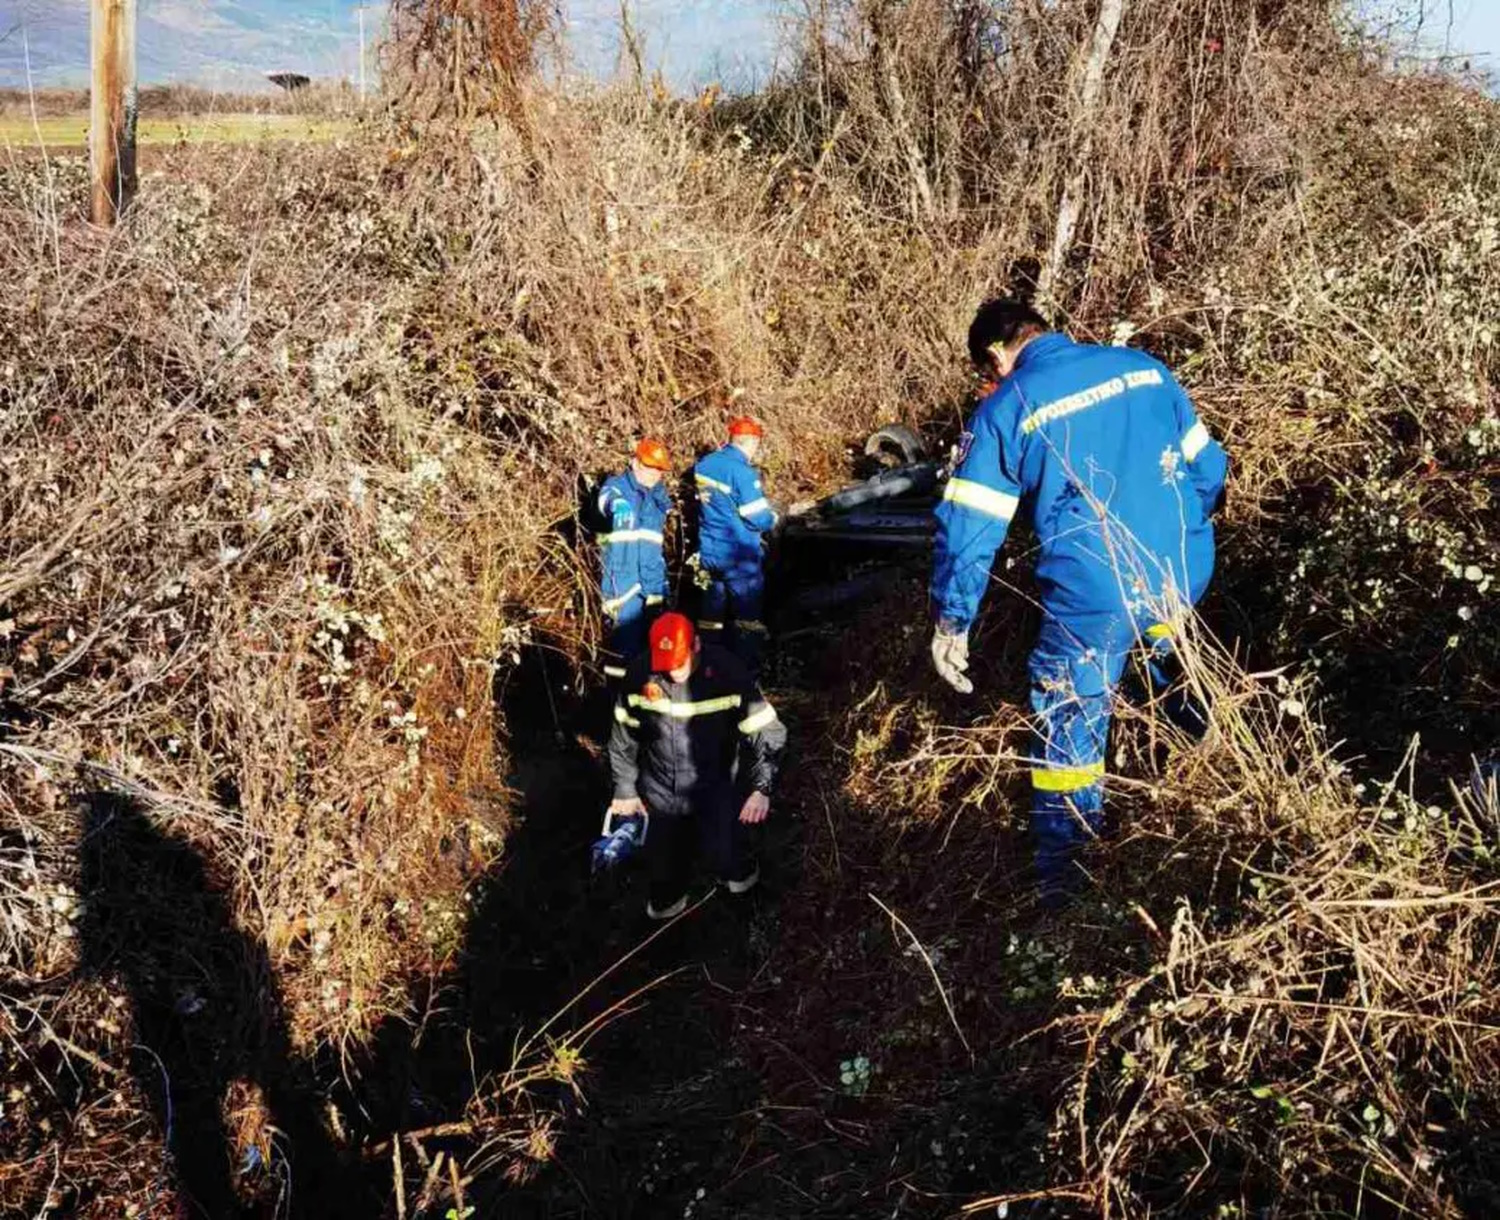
(1105,28)
(893,97)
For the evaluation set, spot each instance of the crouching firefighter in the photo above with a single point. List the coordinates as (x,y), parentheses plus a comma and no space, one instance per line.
(696,745)
(734,518)
(1121,478)
(633,584)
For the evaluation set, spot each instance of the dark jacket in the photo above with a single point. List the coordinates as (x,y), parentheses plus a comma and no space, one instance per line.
(677,745)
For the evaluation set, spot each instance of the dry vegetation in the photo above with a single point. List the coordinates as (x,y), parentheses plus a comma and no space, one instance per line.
(289,463)
(181,101)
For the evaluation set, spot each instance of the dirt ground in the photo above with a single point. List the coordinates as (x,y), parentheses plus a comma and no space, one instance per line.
(791,1053)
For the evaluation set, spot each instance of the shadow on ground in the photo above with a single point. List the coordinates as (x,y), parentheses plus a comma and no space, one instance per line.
(721,1090)
(239,1115)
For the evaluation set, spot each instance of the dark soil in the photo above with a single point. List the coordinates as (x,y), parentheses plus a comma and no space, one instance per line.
(718,1091)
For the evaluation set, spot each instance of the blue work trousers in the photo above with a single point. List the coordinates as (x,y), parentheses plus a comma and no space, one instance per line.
(1075,671)
(731,612)
(626,632)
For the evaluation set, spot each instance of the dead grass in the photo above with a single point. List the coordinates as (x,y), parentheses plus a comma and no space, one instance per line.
(290,464)
(70,131)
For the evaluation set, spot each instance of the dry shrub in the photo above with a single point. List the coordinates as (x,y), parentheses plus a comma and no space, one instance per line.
(465,57)
(288,464)
(964,116)
(1290,1009)
(1315,1021)
(291,461)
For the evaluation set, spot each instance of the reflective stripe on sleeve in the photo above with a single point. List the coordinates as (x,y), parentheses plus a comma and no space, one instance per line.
(755,506)
(614,603)
(621,536)
(1066,779)
(705,481)
(1194,440)
(685,709)
(622,715)
(981,499)
(654,599)
(710,624)
(758,719)
(751,624)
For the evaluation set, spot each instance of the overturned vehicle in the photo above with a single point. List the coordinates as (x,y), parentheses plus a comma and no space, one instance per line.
(840,550)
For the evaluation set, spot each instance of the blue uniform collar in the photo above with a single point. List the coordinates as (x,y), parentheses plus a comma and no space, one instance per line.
(1041,347)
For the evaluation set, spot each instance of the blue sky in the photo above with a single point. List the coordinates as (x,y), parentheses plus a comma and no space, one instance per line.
(230,43)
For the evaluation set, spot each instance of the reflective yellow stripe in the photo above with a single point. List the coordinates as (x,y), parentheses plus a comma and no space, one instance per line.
(614,603)
(1195,440)
(968,494)
(714,483)
(1066,779)
(708,624)
(620,536)
(755,721)
(685,710)
(1159,631)
(614,671)
(622,715)
(654,599)
(750,624)
(761,505)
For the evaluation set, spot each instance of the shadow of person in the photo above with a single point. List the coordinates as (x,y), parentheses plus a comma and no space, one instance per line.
(209,1031)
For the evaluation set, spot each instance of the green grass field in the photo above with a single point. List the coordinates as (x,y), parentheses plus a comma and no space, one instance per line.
(71,131)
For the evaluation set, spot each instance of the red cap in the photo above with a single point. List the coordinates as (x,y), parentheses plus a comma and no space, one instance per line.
(654,454)
(671,642)
(745,425)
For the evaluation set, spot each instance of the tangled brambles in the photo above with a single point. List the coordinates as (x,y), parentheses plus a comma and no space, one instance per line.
(290,469)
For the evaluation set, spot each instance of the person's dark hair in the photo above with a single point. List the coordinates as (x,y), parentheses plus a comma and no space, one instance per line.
(1001,322)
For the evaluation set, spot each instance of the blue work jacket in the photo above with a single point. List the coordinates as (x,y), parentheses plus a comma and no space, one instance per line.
(630,550)
(1120,476)
(733,511)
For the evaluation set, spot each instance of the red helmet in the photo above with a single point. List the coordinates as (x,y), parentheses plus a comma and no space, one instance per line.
(653,454)
(671,642)
(745,425)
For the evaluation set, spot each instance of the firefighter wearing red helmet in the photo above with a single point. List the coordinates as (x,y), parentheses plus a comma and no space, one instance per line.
(696,744)
(633,585)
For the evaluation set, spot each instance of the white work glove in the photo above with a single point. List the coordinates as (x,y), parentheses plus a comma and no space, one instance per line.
(950,657)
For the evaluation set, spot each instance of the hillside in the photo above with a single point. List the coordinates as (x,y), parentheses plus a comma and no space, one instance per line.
(298,633)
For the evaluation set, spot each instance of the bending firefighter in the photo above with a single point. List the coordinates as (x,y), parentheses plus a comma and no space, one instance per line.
(696,744)
(734,517)
(633,584)
(1121,478)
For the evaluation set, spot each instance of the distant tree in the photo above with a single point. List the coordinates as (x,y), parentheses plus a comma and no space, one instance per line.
(466,57)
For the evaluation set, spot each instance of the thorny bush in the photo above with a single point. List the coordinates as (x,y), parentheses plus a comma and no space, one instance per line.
(289,461)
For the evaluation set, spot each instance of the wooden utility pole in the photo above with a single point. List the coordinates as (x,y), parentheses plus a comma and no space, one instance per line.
(113,111)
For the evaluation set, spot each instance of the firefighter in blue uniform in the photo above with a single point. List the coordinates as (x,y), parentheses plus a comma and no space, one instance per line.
(1121,479)
(633,585)
(734,517)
